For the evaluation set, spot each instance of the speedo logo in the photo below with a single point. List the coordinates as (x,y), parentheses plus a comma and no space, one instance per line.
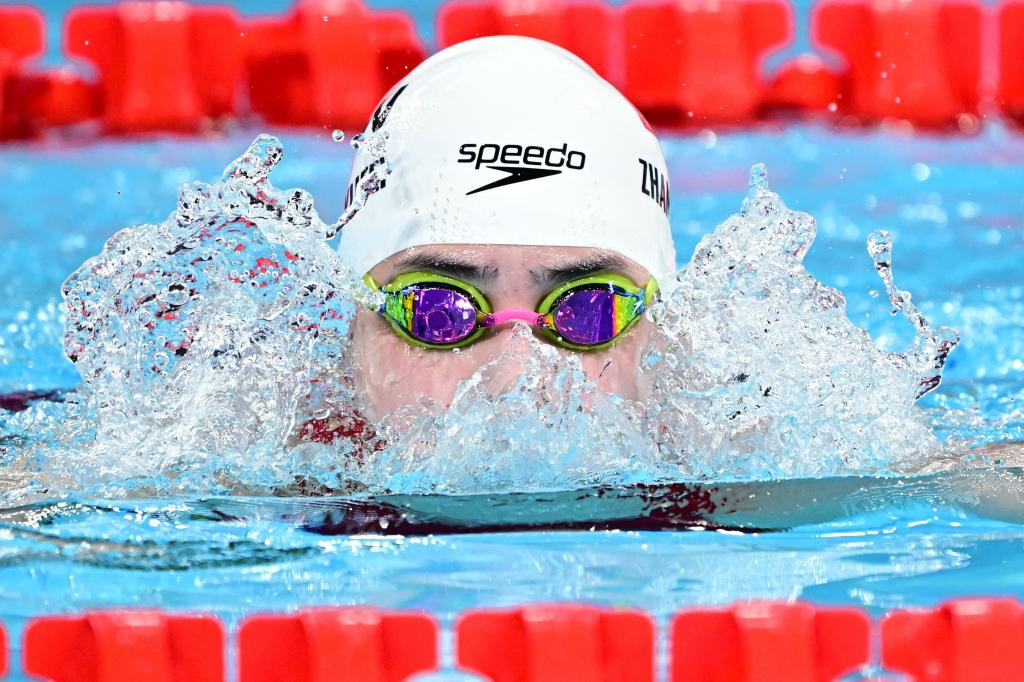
(521,163)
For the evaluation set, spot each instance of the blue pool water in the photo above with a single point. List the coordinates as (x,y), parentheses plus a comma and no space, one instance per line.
(952,204)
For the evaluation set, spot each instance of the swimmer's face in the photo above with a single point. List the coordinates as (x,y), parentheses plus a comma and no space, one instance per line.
(390,373)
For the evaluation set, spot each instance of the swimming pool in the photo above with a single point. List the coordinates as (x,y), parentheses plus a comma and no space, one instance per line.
(951,204)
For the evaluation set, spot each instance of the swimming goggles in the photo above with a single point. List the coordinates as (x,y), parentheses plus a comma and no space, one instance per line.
(590,313)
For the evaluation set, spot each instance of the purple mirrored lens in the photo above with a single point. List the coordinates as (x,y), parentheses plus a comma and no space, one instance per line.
(586,317)
(442,315)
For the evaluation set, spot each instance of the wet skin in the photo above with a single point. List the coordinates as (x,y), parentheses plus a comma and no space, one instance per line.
(390,373)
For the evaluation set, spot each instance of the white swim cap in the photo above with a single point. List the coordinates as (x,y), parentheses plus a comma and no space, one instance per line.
(511,140)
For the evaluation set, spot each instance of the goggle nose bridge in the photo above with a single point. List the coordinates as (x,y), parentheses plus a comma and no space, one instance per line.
(499,317)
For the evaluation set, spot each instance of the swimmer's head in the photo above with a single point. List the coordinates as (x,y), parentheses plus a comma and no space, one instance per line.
(515,168)
(512,140)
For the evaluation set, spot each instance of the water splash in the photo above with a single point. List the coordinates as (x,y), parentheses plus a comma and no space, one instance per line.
(761,374)
(202,340)
(374,175)
(214,351)
(931,346)
(552,429)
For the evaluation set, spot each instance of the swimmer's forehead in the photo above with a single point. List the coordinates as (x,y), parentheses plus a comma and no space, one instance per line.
(487,263)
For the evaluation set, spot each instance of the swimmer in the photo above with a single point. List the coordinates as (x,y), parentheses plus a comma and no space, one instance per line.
(525,190)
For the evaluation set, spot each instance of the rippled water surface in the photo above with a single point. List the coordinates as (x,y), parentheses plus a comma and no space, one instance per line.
(952,206)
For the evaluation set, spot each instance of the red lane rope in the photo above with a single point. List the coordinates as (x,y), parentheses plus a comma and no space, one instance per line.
(964,640)
(172,66)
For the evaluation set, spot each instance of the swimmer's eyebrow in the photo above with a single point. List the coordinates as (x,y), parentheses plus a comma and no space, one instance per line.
(450,265)
(584,267)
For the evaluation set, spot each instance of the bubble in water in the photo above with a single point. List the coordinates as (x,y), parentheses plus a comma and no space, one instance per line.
(175,294)
(338,135)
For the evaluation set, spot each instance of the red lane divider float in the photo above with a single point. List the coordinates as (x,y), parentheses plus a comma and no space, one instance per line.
(173,66)
(21,37)
(587,28)
(341,645)
(1011,60)
(915,60)
(123,646)
(768,642)
(3,652)
(51,98)
(804,85)
(557,643)
(699,62)
(162,65)
(967,640)
(328,62)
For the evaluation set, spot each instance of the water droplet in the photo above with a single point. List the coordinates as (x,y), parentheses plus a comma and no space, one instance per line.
(758,176)
(176,294)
